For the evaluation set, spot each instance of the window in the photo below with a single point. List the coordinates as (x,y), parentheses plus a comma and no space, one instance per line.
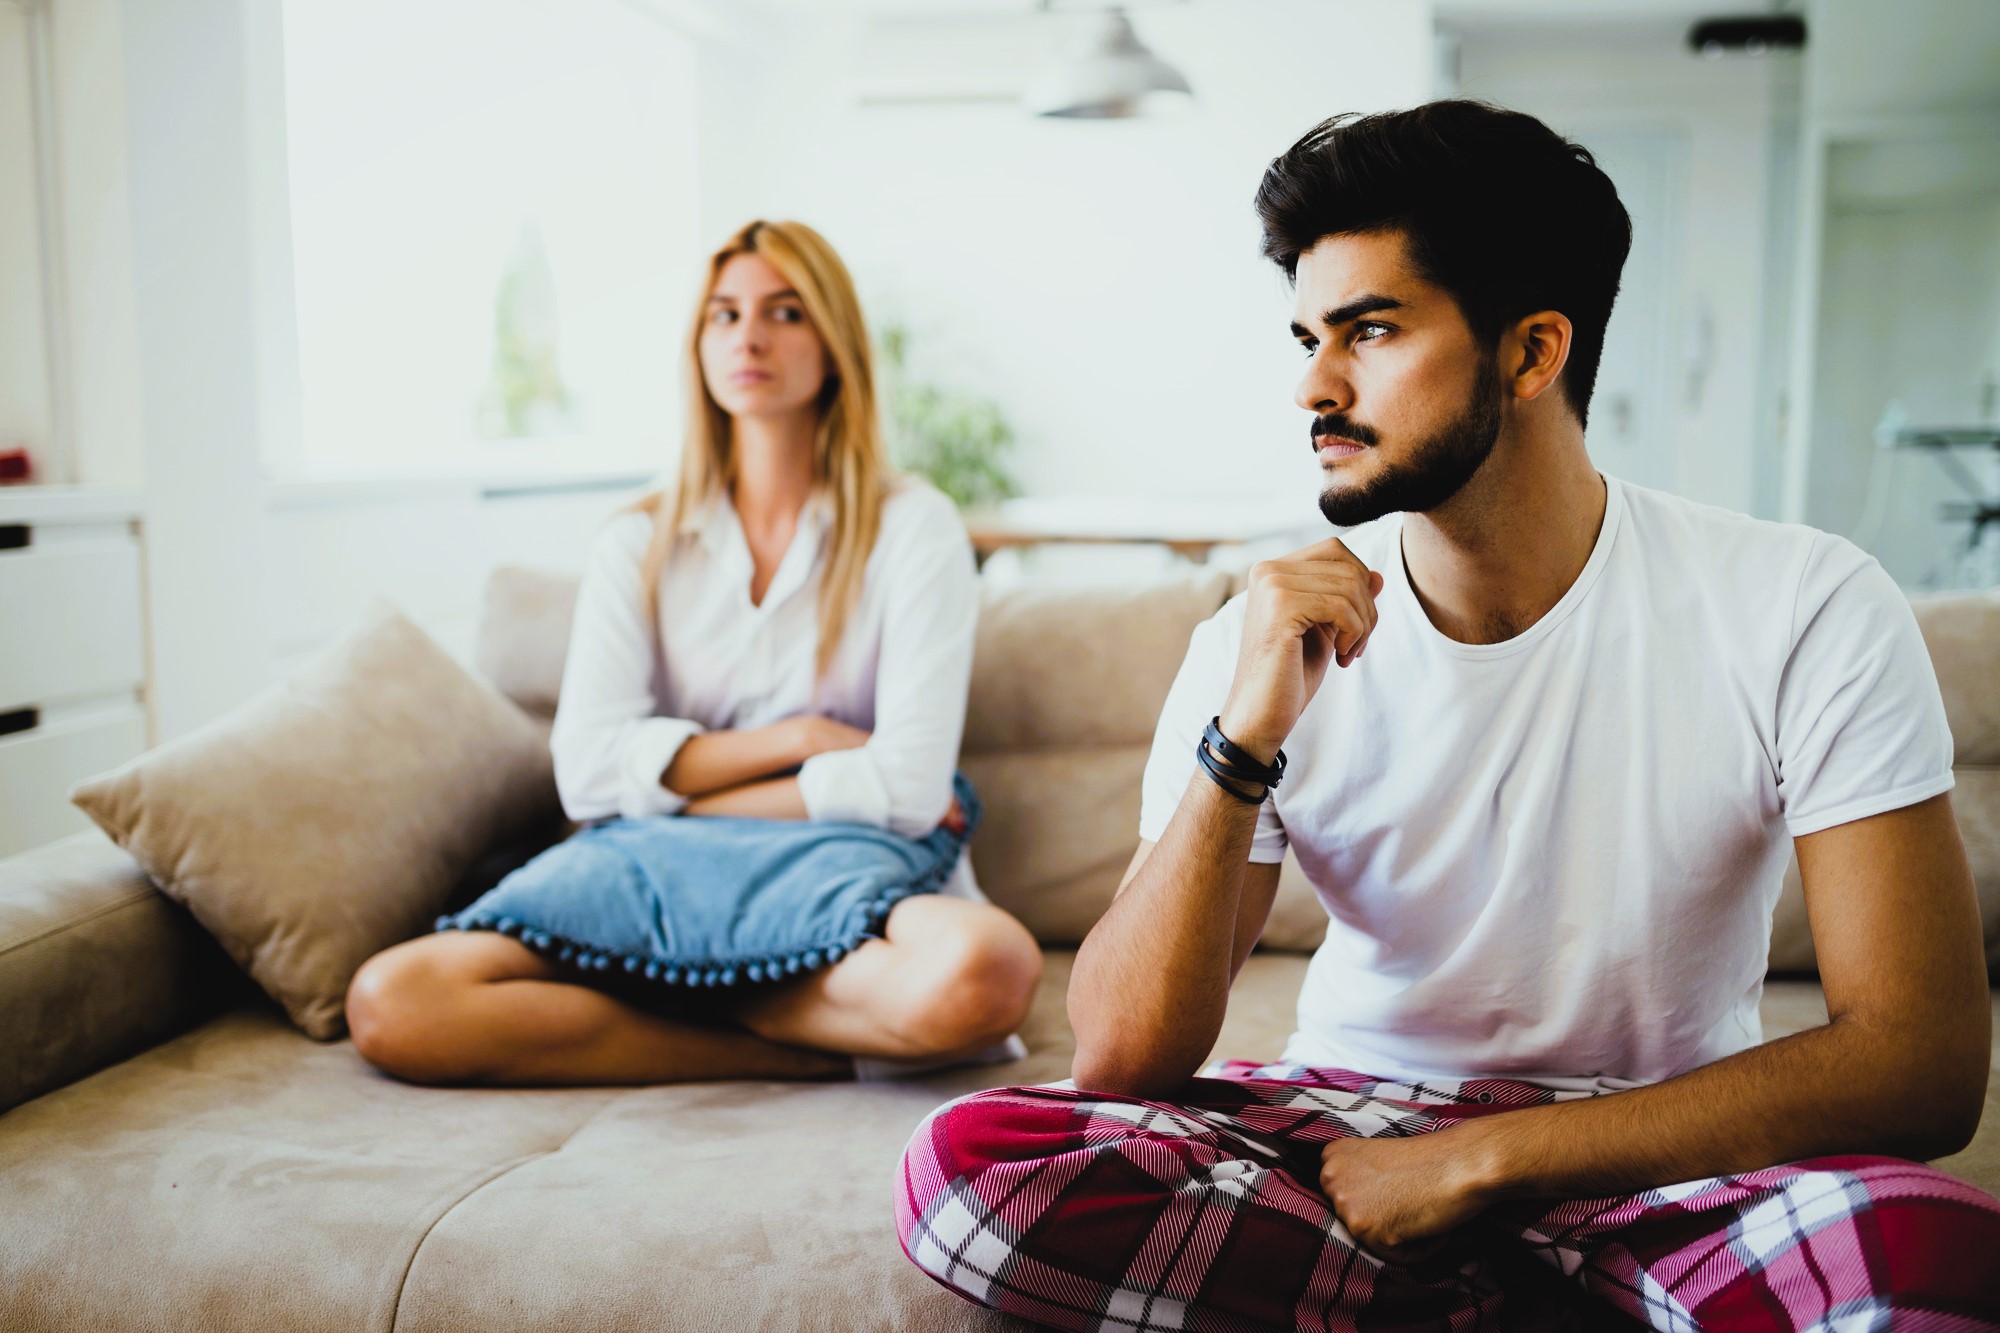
(26,398)
(494,235)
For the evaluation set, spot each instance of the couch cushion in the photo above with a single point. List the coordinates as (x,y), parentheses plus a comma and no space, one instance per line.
(94,964)
(806,1237)
(243,1178)
(1058,666)
(329,818)
(1054,667)
(524,634)
(1060,827)
(1067,686)
(273,1183)
(1962,631)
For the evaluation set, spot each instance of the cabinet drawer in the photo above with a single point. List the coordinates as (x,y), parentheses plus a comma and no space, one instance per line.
(37,769)
(72,620)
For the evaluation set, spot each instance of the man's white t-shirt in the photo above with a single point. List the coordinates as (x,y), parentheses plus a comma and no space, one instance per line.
(1556,858)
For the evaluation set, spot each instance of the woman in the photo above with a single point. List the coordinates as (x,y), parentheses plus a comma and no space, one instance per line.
(787,635)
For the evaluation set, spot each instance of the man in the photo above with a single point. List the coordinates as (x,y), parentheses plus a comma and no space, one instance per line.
(1547,740)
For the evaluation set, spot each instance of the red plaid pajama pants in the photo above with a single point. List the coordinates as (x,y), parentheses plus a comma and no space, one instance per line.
(1084,1211)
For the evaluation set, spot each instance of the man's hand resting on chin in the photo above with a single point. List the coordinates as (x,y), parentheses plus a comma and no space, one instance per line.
(1312,609)
(1402,1198)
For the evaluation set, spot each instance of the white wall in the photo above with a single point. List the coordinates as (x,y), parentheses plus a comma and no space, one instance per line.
(244,578)
(101,318)
(1100,280)
(1909,313)
(1627,87)
(1914,56)
(188,143)
(1899,272)
(331,550)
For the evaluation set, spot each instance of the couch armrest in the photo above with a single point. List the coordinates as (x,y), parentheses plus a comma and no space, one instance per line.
(95,965)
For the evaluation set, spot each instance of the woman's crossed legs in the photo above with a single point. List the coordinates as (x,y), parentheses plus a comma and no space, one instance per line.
(948,978)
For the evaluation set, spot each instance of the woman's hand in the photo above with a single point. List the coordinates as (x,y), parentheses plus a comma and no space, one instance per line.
(811,735)
(954,820)
(717,761)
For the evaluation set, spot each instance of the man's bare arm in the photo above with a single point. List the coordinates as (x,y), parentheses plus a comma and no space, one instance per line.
(1899,1069)
(1151,982)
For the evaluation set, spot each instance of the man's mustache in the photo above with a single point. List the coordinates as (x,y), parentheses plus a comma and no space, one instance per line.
(1335,423)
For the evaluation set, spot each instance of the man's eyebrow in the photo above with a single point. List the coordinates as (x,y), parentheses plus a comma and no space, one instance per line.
(1372,303)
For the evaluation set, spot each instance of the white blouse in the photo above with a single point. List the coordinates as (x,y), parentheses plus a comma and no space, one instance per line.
(630,698)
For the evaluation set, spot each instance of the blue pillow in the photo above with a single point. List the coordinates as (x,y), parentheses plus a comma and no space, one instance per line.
(715,901)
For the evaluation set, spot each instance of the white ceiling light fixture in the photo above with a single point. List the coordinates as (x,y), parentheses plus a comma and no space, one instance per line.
(1104,73)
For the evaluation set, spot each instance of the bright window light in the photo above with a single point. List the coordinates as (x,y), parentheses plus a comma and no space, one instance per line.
(494,236)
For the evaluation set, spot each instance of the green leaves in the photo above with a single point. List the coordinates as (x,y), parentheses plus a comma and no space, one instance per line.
(956,441)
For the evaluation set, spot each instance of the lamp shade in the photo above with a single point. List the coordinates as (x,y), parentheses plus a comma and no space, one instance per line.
(1102,74)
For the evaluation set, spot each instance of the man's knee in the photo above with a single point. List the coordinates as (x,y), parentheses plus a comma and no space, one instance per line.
(1873,1235)
(1935,1235)
(956,1144)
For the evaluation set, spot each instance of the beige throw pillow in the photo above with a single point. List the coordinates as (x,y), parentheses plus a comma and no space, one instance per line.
(329,817)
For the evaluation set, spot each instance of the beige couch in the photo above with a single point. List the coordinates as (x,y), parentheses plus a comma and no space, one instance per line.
(178,1157)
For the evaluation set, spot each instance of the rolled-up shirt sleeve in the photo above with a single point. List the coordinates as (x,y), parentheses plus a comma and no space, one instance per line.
(609,749)
(901,779)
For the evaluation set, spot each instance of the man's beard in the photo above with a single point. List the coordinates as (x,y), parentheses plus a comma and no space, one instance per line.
(1438,468)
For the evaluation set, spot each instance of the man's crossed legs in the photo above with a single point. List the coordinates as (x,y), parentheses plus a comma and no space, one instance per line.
(1091,1212)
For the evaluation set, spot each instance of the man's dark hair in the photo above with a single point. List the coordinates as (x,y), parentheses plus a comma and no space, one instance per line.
(1498,210)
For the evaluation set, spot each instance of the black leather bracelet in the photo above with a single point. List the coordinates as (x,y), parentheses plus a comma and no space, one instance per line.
(1240,762)
(1221,776)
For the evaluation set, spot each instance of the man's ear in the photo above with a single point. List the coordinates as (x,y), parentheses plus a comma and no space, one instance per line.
(1538,348)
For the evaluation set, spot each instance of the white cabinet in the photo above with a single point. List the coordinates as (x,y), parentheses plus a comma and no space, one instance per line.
(72,652)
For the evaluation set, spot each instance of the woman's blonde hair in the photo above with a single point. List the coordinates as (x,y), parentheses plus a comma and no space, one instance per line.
(850,465)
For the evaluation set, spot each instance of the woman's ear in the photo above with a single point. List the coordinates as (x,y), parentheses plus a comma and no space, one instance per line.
(1538,345)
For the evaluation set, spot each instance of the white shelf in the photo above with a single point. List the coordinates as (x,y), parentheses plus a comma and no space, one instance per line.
(72,657)
(37,504)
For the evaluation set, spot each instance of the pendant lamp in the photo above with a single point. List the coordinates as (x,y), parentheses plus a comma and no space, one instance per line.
(1102,74)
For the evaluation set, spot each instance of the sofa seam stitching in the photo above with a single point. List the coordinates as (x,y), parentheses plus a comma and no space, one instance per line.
(72,923)
(507,1169)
